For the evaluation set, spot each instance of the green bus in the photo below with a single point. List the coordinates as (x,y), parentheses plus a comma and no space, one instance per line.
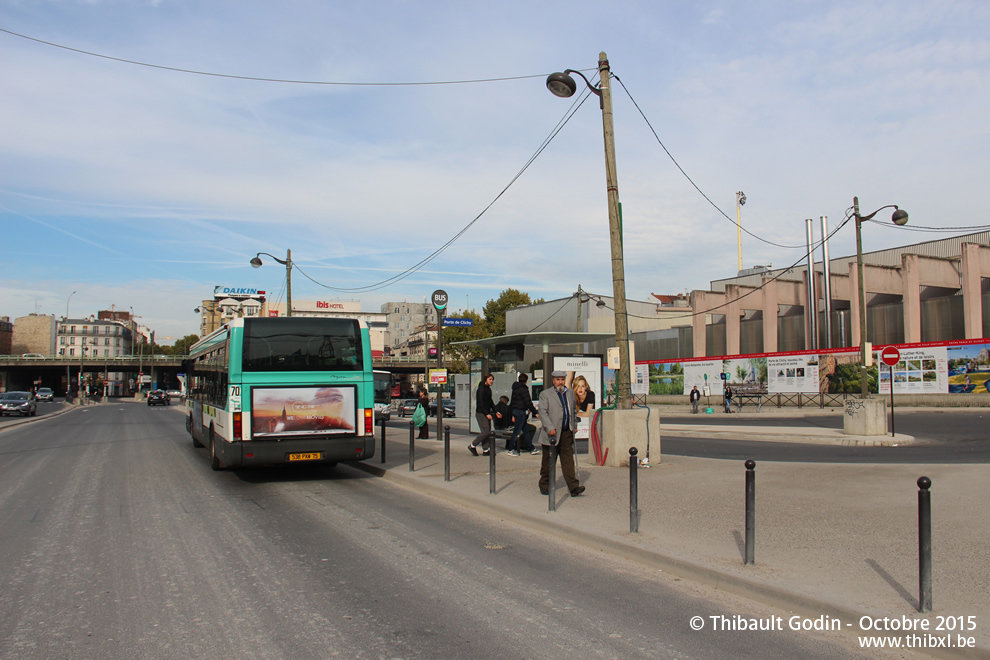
(270,391)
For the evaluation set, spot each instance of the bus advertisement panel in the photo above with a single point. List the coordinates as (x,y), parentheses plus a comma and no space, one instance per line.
(295,411)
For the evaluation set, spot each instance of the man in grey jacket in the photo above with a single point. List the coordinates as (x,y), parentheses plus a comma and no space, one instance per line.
(558,414)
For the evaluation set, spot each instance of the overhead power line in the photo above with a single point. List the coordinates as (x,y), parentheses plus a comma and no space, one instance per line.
(263,79)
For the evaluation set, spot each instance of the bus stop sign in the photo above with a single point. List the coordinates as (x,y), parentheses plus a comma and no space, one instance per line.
(440,300)
(890,355)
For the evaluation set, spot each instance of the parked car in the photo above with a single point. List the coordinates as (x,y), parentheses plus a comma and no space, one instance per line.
(18,403)
(175,393)
(448,408)
(408,407)
(159,398)
(44,394)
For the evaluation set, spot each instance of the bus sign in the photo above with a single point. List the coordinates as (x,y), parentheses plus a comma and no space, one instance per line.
(464,323)
(440,300)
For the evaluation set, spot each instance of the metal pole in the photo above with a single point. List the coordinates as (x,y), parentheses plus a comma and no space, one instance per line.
(446,453)
(863,377)
(633,491)
(739,231)
(552,486)
(925,544)
(412,446)
(891,367)
(811,308)
(288,282)
(827,283)
(623,377)
(383,441)
(750,511)
(491,461)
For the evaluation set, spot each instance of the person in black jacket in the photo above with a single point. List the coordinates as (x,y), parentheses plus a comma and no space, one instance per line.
(521,404)
(484,411)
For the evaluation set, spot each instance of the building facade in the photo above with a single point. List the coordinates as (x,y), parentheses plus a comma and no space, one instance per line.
(404,320)
(924,292)
(34,333)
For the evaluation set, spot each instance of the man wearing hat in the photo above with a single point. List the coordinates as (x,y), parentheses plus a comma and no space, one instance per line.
(558,414)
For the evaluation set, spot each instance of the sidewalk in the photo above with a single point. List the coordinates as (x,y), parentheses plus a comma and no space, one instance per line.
(833,539)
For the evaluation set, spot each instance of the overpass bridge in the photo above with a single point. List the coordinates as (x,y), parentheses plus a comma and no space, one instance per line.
(18,372)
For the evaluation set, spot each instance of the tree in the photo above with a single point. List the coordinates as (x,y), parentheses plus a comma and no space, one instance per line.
(459,356)
(495,309)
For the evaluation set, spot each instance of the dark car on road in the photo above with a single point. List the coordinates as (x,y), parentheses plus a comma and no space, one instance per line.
(45,394)
(18,403)
(448,408)
(408,407)
(159,398)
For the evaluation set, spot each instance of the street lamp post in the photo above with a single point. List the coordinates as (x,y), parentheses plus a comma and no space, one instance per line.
(899,217)
(256,263)
(563,85)
(740,201)
(68,374)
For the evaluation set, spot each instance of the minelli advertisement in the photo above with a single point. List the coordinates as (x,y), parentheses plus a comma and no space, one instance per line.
(584,376)
(302,411)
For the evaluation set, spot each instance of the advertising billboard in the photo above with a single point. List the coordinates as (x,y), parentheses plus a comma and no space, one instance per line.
(584,376)
(302,411)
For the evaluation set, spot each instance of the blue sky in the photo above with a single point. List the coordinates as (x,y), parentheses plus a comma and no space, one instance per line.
(142,187)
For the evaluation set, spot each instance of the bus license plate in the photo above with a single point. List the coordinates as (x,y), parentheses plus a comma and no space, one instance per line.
(313,456)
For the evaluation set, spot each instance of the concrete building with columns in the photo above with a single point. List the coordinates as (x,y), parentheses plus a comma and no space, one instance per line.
(931,291)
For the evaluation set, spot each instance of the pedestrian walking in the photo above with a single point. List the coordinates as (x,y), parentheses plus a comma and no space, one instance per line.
(559,416)
(424,400)
(484,411)
(694,397)
(521,405)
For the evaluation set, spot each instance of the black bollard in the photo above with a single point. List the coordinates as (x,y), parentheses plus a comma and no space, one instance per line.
(491,463)
(750,511)
(446,452)
(412,446)
(552,486)
(633,491)
(925,544)
(383,442)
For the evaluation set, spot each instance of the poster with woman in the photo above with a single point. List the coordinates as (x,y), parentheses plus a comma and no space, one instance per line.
(584,376)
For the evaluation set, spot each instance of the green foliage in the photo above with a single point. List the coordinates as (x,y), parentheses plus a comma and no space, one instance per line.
(460,356)
(495,309)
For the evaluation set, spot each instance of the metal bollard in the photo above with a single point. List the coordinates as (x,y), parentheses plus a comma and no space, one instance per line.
(925,544)
(552,486)
(750,511)
(446,452)
(412,446)
(491,463)
(383,442)
(633,491)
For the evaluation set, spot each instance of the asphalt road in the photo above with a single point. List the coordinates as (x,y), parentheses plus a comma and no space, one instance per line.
(945,435)
(120,542)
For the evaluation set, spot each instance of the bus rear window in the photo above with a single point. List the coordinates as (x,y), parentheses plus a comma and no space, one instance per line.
(302,344)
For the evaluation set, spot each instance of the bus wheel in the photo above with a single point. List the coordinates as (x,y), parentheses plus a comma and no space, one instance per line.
(214,461)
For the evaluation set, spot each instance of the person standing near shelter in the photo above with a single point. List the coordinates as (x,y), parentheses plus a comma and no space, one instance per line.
(521,404)
(424,400)
(728,398)
(484,409)
(694,397)
(558,413)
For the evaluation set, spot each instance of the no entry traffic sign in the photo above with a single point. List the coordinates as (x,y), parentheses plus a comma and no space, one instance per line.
(890,355)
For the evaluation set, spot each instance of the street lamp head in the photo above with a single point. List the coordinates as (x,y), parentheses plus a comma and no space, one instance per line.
(561,84)
(900,217)
(197,310)
(256,262)
(741,198)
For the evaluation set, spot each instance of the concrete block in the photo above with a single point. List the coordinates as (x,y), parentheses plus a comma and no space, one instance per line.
(865,417)
(622,429)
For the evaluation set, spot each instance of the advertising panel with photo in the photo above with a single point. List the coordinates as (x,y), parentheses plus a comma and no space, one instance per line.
(920,370)
(584,376)
(302,411)
(793,373)
(968,368)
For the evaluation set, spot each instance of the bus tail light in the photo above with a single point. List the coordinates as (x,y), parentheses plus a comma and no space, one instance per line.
(369,421)
(237,426)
